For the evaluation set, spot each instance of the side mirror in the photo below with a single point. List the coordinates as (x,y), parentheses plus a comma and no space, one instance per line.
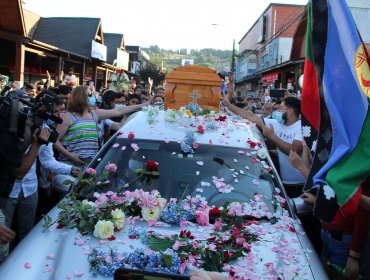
(300,206)
(63,183)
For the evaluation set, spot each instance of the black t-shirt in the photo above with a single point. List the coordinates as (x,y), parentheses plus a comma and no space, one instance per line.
(10,159)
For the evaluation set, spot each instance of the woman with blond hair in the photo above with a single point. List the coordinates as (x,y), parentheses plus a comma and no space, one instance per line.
(78,134)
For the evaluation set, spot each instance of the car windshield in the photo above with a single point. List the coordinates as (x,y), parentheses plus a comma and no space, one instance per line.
(221,174)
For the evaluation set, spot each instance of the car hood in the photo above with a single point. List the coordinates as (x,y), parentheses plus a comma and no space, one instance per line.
(63,253)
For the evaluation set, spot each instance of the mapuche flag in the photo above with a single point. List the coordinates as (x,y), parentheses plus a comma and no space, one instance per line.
(310,105)
(310,91)
(344,86)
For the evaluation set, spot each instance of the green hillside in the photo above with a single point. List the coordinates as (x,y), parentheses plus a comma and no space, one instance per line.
(218,60)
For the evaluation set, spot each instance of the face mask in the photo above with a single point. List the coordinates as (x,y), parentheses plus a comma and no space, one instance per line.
(92,100)
(117,106)
(278,116)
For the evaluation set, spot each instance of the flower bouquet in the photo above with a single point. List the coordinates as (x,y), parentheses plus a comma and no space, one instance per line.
(152,112)
(120,81)
(101,218)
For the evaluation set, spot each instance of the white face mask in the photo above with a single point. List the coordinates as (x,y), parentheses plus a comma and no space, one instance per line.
(117,106)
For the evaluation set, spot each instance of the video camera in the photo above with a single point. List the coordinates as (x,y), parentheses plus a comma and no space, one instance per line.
(17,116)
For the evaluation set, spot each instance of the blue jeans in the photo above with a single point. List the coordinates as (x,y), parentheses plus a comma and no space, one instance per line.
(26,212)
(336,251)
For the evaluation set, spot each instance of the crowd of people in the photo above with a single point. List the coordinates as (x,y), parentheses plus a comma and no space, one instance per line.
(344,244)
(90,118)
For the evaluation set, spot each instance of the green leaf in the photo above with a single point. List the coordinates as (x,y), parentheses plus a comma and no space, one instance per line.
(82,224)
(167,259)
(157,244)
(216,258)
(67,182)
(154,173)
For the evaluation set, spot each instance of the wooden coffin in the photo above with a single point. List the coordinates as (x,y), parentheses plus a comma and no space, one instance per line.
(186,81)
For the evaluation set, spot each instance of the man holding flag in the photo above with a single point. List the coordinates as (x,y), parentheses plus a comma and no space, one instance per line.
(342,156)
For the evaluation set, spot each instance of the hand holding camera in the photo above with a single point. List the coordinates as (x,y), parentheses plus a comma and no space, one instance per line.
(41,136)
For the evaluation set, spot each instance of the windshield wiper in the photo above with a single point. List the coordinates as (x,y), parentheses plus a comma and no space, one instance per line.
(222,162)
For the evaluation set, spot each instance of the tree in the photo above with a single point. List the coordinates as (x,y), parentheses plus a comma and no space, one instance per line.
(153,73)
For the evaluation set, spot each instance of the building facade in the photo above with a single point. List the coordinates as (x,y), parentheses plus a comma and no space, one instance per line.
(278,41)
(264,51)
(32,45)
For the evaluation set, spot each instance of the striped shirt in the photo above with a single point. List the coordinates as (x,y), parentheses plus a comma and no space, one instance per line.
(81,138)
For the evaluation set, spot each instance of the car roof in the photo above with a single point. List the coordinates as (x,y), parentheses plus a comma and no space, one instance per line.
(234,132)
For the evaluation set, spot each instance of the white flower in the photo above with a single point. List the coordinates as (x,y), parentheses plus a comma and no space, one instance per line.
(161,202)
(118,218)
(103,229)
(262,153)
(170,116)
(87,202)
(151,214)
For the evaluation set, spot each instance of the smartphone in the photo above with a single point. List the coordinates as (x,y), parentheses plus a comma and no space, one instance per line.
(134,274)
(91,84)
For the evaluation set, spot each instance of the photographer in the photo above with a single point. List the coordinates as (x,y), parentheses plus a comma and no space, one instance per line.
(23,195)
(14,166)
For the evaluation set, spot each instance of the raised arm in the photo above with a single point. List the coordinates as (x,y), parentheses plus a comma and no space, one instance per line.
(108,114)
(245,114)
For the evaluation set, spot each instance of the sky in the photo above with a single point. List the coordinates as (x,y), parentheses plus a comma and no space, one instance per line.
(169,24)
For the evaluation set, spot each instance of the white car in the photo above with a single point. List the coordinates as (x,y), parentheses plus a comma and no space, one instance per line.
(197,192)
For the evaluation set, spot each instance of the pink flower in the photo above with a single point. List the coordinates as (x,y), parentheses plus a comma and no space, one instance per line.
(239,241)
(177,245)
(111,167)
(236,232)
(217,225)
(196,245)
(203,217)
(131,135)
(27,265)
(91,171)
(183,223)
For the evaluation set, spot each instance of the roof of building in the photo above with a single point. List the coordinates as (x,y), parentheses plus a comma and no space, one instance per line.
(112,41)
(267,8)
(132,48)
(31,20)
(70,34)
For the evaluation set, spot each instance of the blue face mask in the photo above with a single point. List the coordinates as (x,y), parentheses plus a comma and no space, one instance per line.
(276,115)
(117,106)
(92,100)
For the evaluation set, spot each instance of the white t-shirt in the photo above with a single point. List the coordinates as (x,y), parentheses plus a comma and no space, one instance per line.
(288,173)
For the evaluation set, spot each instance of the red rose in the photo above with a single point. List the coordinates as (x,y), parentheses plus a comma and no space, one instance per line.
(131,135)
(151,165)
(201,129)
(112,238)
(221,118)
(215,212)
